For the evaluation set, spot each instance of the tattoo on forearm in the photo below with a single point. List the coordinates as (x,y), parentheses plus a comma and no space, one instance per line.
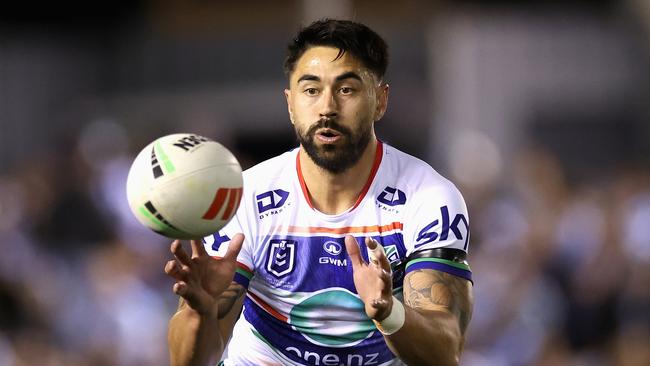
(435,290)
(229,297)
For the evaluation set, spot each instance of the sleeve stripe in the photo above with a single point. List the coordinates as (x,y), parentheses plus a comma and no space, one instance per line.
(439,265)
(458,265)
(241,279)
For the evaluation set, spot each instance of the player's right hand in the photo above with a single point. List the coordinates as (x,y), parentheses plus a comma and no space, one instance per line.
(200,279)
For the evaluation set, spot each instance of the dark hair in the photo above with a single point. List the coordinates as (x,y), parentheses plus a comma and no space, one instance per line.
(355,38)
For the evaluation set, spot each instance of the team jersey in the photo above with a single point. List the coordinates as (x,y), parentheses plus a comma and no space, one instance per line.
(301,306)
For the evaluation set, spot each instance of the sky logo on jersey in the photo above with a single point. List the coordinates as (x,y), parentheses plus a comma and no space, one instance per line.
(281,257)
(392,197)
(271,200)
(458,226)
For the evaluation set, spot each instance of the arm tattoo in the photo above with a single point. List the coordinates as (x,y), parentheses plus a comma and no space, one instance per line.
(435,290)
(229,297)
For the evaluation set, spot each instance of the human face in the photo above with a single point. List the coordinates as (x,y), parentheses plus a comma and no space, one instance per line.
(333,104)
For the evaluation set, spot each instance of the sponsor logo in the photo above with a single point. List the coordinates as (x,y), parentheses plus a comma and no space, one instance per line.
(332,247)
(439,229)
(271,201)
(188,143)
(233,195)
(307,318)
(352,359)
(333,261)
(391,253)
(392,197)
(281,257)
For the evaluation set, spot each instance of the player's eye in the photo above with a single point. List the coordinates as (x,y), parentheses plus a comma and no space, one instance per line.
(311,91)
(346,90)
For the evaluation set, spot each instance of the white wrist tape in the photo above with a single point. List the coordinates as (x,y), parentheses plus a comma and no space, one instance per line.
(395,319)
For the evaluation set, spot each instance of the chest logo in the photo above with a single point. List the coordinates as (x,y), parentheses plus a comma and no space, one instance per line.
(281,257)
(271,200)
(392,197)
(332,247)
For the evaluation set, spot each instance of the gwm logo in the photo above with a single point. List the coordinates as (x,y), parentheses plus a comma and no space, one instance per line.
(281,258)
(392,197)
(332,247)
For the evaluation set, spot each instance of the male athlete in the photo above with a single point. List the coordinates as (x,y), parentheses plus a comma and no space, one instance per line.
(344,251)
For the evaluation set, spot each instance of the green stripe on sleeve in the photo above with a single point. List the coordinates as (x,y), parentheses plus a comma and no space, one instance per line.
(244,273)
(439,260)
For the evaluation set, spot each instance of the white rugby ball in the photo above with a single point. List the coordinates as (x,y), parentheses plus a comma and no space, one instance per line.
(184,186)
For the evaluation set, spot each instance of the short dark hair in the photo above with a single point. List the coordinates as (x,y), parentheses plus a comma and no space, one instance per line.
(348,36)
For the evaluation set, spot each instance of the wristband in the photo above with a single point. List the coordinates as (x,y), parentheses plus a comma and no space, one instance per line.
(394,321)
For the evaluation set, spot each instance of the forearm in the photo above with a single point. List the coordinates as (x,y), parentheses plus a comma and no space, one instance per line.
(427,338)
(194,339)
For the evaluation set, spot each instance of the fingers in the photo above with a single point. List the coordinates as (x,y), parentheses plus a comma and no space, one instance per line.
(234,247)
(198,249)
(352,247)
(377,255)
(180,254)
(173,269)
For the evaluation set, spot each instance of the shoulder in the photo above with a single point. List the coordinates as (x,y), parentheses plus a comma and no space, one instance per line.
(270,170)
(418,177)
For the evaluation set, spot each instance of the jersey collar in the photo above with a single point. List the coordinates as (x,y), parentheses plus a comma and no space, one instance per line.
(375,166)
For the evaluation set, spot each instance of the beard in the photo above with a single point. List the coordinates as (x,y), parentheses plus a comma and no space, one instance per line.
(339,157)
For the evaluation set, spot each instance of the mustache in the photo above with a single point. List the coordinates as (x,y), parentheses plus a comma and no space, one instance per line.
(330,123)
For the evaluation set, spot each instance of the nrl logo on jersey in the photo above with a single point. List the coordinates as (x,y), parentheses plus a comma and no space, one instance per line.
(281,258)
(271,202)
(390,198)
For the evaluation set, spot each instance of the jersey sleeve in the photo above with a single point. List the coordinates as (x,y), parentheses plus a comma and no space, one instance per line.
(216,246)
(438,219)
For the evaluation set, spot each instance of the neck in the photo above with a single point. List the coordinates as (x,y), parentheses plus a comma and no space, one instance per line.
(332,193)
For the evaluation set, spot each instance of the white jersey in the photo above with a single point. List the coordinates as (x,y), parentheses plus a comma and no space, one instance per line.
(301,307)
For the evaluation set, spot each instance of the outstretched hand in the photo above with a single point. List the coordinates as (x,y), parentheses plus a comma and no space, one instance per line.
(373,280)
(200,279)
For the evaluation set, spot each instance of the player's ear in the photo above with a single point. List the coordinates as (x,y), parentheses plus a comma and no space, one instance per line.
(287,95)
(382,101)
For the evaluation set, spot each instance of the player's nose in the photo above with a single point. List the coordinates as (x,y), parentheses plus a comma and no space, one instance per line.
(328,104)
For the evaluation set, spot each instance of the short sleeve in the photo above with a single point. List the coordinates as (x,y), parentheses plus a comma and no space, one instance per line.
(216,246)
(437,219)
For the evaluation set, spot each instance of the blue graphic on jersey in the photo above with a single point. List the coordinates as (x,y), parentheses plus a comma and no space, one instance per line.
(281,257)
(267,200)
(356,343)
(318,261)
(426,236)
(392,197)
(215,240)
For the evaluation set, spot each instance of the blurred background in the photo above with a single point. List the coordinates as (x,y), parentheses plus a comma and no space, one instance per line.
(537,110)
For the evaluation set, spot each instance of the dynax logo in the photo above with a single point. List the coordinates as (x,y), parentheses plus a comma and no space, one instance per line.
(271,200)
(459,226)
(281,257)
(392,197)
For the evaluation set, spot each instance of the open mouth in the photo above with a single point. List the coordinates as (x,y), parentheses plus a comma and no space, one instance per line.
(328,135)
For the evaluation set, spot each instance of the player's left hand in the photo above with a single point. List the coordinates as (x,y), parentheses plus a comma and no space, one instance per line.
(373,280)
